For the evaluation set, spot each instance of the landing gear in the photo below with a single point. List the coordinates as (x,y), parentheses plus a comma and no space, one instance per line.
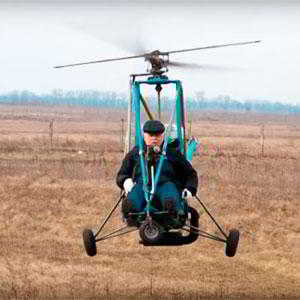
(89,242)
(232,242)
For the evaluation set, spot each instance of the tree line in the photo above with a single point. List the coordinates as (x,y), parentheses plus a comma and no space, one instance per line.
(110,99)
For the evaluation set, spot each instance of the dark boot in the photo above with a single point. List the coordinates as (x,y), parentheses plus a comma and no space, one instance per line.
(126,209)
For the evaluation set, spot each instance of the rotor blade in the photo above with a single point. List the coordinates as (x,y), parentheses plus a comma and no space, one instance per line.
(206,67)
(99,61)
(212,47)
(184,65)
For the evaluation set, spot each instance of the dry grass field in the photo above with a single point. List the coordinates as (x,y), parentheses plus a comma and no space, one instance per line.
(50,193)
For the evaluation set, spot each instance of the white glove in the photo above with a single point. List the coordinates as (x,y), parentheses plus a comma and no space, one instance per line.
(186,194)
(128,185)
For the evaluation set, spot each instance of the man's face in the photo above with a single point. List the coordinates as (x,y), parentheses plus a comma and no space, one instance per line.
(153,139)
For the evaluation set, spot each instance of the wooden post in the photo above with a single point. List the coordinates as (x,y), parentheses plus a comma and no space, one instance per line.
(262,139)
(122,134)
(51,132)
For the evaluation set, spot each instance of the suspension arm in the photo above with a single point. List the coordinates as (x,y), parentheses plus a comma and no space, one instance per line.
(114,233)
(206,210)
(204,233)
(109,215)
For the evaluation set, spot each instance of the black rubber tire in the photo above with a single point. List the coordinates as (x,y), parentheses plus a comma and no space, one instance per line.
(89,242)
(193,235)
(232,242)
(151,232)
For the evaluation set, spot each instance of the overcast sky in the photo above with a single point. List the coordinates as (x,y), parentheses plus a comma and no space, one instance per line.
(36,36)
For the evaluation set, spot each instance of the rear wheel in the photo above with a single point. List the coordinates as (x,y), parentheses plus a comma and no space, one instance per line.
(232,242)
(89,242)
(151,232)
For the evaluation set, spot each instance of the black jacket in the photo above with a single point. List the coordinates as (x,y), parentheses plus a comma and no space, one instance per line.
(176,168)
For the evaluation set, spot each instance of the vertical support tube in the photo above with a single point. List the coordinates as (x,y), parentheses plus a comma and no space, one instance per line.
(122,133)
(158,99)
(158,88)
(136,98)
(129,118)
(179,116)
(183,115)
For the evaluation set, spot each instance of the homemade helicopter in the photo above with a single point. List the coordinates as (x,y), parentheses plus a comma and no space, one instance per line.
(156,226)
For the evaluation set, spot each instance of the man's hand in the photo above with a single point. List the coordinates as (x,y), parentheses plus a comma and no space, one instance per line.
(128,185)
(186,194)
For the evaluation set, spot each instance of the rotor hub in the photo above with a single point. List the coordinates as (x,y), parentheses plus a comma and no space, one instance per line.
(158,62)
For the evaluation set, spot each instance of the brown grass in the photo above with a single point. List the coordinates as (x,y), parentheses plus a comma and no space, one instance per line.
(49,195)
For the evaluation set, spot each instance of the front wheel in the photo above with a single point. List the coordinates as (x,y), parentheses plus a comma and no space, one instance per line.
(89,242)
(151,232)
(232,242)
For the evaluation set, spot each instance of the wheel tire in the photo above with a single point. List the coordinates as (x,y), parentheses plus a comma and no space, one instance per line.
(193,235)
(151,232)
(89,242)
(232,242)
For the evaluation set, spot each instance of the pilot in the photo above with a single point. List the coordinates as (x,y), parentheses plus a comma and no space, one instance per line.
(178,179)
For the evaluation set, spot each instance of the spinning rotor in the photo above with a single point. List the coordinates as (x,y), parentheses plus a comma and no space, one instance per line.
(159,61)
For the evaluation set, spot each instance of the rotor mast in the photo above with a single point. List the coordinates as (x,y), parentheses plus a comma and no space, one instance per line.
(158,88)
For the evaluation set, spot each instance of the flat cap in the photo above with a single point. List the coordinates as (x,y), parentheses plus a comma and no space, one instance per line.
(154,126)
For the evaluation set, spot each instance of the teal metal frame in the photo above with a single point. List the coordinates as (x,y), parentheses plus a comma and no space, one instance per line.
(179,121)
